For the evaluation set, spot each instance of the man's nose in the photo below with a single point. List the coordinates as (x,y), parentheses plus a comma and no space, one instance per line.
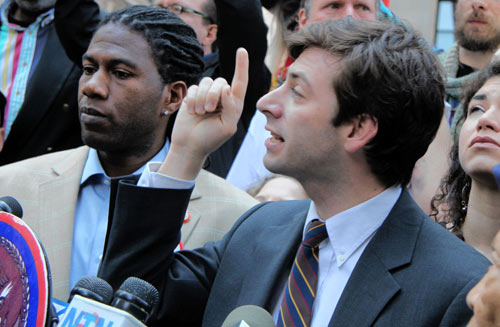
(95,86)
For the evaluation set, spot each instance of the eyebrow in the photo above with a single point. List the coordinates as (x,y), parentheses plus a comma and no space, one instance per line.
(112,62)
(480,97)
(299,75)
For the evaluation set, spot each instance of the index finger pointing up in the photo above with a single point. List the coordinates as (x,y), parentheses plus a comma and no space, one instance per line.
(240,78)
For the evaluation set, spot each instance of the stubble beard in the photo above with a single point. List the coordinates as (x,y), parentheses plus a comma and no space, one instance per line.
(474,43)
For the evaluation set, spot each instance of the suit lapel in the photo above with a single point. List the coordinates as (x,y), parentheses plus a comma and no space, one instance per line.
(57,200)
(371,285)
(49,77)
(271,262)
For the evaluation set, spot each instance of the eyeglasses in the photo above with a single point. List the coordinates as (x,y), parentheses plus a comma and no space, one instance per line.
(179,9)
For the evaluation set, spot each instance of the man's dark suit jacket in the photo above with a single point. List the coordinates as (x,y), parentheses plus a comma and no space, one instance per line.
(412,273)
(48,119)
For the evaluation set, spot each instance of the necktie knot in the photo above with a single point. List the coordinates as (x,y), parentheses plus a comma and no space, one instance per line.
(316,233)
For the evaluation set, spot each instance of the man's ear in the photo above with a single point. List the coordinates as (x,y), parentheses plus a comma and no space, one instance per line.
(211,35)
(173,94)
(362,130)
(302,18)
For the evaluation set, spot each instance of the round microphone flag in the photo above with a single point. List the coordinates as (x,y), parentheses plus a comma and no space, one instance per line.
(24,289)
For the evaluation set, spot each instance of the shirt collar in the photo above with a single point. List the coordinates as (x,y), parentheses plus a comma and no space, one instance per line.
(93,165)
(43,19)
(348,230)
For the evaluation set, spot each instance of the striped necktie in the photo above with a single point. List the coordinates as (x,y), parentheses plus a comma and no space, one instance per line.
(296,306)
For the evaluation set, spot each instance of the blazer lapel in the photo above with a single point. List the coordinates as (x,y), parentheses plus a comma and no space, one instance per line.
(371,285)
(271,260)
(57,200)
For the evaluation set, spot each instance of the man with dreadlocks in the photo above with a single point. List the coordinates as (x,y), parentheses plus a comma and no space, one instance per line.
(239,24)
(135,75)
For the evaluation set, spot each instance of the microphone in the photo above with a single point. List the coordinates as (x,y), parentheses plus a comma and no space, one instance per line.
(249,316)
(136,297)
(93,288)
(10,205)
(85,308)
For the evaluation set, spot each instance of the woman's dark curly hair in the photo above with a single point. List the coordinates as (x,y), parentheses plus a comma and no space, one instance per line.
(453,193)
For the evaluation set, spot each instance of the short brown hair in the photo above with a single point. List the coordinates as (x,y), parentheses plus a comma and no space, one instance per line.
(389,73)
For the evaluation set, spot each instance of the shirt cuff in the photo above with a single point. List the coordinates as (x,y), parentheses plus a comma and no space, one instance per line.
(150,178)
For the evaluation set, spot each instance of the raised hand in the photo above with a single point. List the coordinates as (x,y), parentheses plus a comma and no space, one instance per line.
(484,298)
(207,118)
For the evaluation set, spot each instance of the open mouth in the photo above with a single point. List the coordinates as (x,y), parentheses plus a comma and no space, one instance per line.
(276,138)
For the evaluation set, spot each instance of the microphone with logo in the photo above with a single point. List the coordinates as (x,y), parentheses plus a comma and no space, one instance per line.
(249,316)
(131,306)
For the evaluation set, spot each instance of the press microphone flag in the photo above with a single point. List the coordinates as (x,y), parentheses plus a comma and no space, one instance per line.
(24,275)
(131,306)
(86,312)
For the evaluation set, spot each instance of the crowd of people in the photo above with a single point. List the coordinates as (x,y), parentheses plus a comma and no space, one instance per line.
(131,137)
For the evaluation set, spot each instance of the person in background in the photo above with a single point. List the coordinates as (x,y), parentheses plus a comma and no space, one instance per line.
(484,298)
(39,83)
(468,201)
(477,35)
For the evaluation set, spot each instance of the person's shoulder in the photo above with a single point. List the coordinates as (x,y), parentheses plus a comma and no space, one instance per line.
(44,163)
(452,254)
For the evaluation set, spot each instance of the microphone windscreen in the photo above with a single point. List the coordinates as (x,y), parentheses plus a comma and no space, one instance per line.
(11,205)
(142,289)
(252,315)
(94,285)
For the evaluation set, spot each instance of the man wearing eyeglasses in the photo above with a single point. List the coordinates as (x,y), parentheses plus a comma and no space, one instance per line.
(200,15)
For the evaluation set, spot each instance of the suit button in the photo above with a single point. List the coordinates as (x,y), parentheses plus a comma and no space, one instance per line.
(49,149)
(66,107)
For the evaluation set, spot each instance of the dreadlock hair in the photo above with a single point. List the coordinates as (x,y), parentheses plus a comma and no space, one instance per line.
(174,47)
(449,205)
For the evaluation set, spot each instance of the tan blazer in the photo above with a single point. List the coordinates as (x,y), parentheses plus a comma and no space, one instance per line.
(47,188)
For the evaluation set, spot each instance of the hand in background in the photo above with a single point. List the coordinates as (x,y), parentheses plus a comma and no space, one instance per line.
(207,118)
(484,298)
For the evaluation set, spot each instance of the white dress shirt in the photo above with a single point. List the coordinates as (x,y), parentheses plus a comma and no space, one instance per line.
(349,232)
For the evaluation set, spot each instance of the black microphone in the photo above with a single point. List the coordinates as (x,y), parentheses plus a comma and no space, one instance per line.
(10,205)
(93,288)
(249,316)
(136,297)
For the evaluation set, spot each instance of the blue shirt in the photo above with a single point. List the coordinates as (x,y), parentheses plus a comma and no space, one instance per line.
(91,216)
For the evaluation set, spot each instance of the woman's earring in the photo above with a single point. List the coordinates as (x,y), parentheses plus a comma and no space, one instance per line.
(465,193)
(165,112)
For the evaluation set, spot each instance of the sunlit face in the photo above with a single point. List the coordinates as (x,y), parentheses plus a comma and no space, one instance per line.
(479,143)
(337,9)
(299,116)
(120,96)
(35,6)
(477,27)
(281,188)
